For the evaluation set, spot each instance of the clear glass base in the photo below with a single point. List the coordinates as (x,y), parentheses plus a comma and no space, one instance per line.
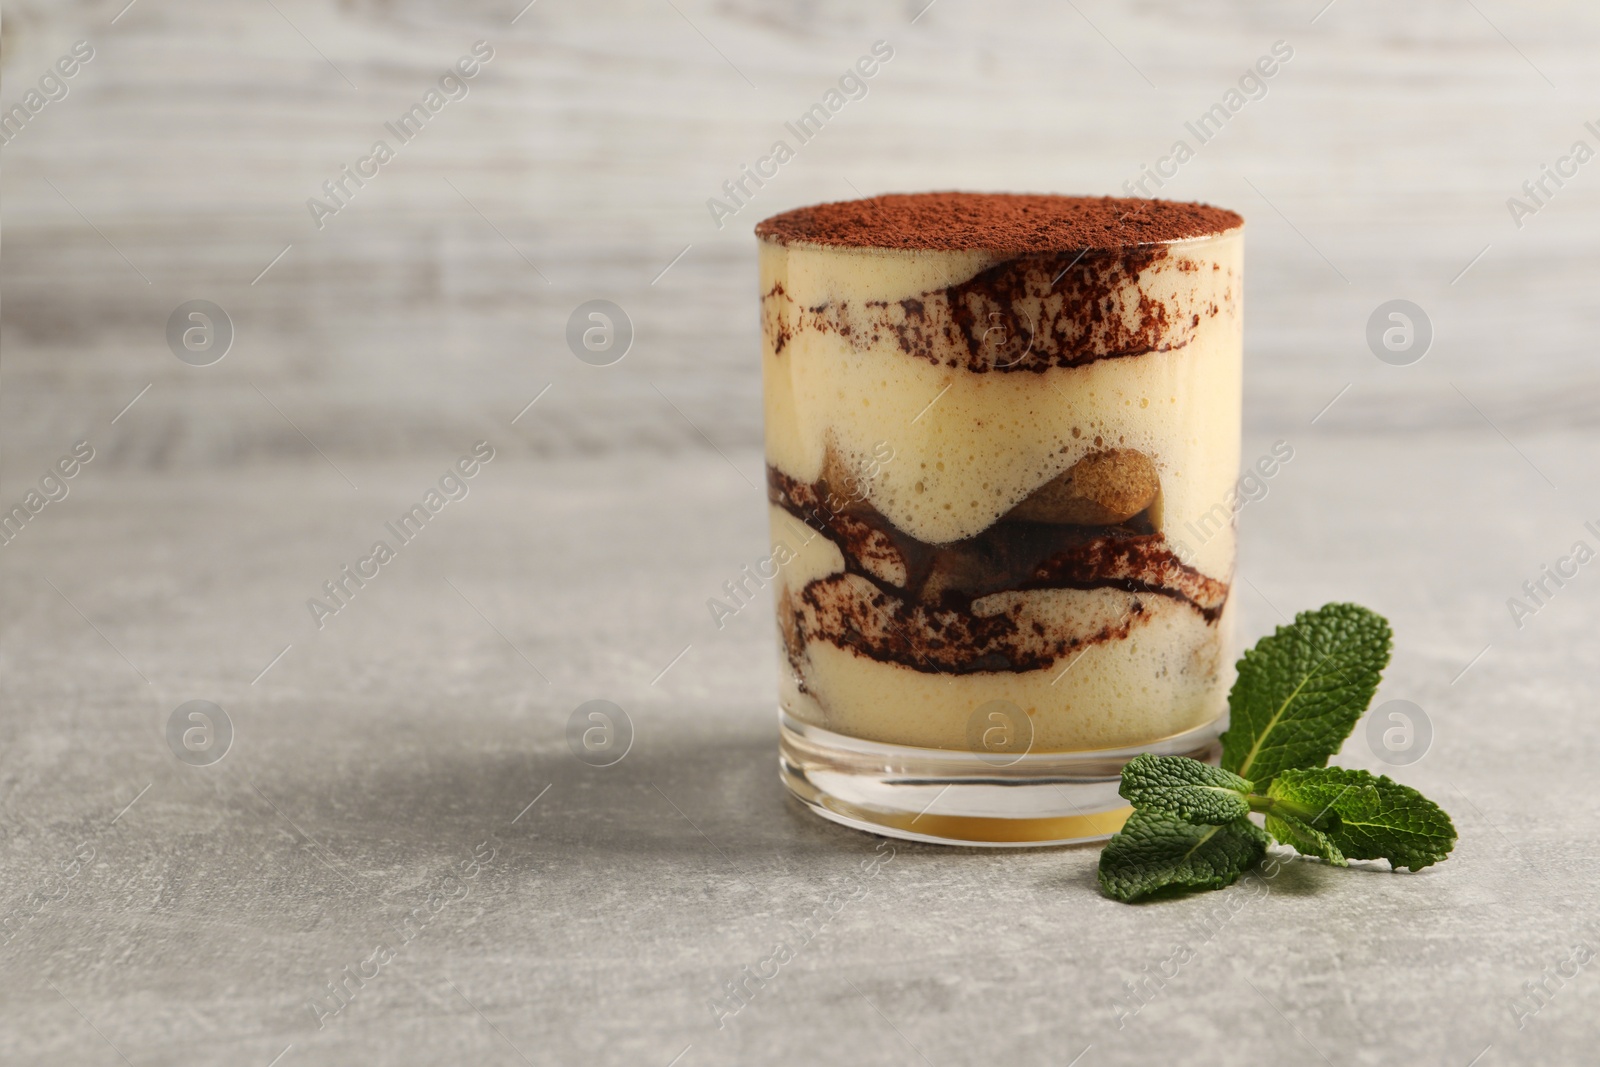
(962,798)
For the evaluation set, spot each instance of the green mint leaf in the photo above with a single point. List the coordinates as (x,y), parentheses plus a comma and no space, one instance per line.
(1160,853)
(1301,691)
(1193,791)
(1372,817)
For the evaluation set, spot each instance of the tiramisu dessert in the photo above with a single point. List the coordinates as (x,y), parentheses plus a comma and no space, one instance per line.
(987,418)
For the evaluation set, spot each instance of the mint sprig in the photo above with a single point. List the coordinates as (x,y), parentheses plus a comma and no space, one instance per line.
(1300,692)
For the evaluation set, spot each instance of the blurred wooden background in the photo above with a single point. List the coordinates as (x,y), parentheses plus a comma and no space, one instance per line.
(179,164)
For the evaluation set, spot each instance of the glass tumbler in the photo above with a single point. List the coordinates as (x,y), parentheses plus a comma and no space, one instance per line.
(1002,481)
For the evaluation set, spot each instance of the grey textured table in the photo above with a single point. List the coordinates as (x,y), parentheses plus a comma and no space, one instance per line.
(375,759)
(400,778)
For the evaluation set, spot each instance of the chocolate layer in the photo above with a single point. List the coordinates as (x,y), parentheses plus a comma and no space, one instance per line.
(1027,313)
(942,608)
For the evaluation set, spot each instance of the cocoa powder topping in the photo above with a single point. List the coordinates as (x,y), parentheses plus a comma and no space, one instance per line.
(1009,223)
